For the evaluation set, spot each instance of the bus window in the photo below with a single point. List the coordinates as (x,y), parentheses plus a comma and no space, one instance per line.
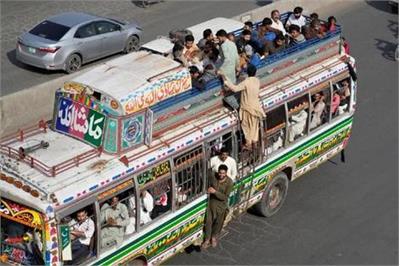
(155,200)
(321,103)
(189,176)
(117,218)
(275,130)
(341,97)
(82,230)
(298,110)
(20,239)
(215,145)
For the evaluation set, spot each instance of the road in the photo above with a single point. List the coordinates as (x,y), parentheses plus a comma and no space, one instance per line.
(344,213)
(17,16)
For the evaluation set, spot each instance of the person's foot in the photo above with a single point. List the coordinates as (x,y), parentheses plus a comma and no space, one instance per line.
(214,242)
(205,244)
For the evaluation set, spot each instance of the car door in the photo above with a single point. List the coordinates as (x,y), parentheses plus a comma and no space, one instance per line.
(112,37)
(88,42)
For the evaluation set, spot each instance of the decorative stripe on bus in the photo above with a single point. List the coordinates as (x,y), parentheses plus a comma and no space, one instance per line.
(119,254)
(294,152)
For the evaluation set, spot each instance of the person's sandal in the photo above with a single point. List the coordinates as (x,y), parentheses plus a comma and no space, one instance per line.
(205,244)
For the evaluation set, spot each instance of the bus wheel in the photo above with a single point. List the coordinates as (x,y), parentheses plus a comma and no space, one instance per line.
(274,196)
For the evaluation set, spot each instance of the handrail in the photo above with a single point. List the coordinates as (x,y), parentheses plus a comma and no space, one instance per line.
(50,171)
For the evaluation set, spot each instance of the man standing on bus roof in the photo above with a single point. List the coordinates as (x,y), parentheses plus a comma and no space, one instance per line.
(219,189)
(224,158)
(81,233)
(229,54)
(250,111)
(114,219)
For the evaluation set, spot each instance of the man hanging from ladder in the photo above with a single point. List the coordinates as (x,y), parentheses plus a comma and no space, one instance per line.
(250,111)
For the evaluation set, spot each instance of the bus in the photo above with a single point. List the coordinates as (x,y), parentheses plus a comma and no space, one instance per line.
(132,136)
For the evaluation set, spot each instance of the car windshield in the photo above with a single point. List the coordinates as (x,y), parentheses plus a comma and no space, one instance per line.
(118,21)
(50,30)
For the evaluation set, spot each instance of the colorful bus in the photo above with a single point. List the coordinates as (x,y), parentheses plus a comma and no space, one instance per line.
(133,136)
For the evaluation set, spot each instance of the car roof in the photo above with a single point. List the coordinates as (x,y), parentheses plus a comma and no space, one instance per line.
(71,19)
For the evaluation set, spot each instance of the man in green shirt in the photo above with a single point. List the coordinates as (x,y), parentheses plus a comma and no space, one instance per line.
(219,189)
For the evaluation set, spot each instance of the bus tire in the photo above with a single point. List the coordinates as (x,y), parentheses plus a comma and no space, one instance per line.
(274,196)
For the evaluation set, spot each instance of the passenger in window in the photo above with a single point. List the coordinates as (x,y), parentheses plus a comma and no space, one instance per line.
(147,205)
(317,109)
(114,219)
(224,158)
(250,111)
(131,228)
(219,189)
(296,18)
(298,125)
(335,103)
(277,23)
(207,36)
(295,35)
(81,235)
(279,44)
(229,55)
(161,204)
(345,89)
(275,142)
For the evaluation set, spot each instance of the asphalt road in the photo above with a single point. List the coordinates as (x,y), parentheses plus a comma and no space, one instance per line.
(344,213)
(158,19)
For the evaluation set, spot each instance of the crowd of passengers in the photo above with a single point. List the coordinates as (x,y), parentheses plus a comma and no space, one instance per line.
(228,57)
(232,55)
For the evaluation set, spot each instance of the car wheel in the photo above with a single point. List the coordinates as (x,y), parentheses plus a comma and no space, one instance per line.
(73,63)
(131,45)
(274,196)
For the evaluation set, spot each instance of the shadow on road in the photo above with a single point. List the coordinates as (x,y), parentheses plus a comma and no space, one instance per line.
(145,3)
(387,48)
(263,3)
(11,55)
(381,5)
(394,28)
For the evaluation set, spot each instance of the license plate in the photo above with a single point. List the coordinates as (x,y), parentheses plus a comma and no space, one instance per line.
(31,50)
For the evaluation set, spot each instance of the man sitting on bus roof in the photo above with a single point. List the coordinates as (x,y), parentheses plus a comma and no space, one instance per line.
(224,158)
(219,189)
(81,234)
(250,111)
(114,219)
(296,18)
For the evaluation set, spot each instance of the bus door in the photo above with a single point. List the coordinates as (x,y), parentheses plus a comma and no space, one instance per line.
(247,162)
